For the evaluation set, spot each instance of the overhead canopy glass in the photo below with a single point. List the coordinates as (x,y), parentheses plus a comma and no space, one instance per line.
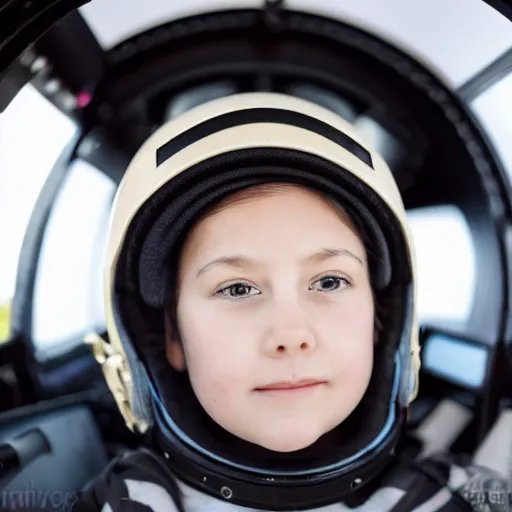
(458,38)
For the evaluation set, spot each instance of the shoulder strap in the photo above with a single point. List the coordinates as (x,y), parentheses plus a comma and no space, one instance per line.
(124,476)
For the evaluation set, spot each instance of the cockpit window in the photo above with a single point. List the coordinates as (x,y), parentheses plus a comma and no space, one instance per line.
(68,295)
(32,134)
(494,111)
(446,266)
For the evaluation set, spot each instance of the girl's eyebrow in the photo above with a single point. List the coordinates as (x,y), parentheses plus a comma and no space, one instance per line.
(327,253)
(241,261)
(233,261)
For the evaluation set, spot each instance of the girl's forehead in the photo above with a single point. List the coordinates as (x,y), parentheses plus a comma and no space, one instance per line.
(274,204)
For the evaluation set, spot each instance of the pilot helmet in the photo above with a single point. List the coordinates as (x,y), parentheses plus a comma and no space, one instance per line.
(184,168)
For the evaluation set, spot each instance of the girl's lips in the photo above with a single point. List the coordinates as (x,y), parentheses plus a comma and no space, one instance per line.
(290,387)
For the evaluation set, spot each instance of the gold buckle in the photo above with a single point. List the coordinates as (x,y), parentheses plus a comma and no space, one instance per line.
(117,375)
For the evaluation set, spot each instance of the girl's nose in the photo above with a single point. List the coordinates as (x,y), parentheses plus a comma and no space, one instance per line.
(290,336)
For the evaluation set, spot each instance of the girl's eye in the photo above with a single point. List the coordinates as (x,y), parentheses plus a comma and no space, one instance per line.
(330,284)
(238,291)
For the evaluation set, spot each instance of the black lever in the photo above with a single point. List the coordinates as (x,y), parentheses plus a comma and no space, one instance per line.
(20,451)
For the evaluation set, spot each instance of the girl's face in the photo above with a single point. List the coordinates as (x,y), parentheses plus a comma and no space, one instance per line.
(276,318)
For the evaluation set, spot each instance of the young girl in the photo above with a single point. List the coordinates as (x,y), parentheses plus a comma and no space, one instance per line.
(262,322)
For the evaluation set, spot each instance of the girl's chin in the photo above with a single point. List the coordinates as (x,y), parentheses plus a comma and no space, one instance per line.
(287,444)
